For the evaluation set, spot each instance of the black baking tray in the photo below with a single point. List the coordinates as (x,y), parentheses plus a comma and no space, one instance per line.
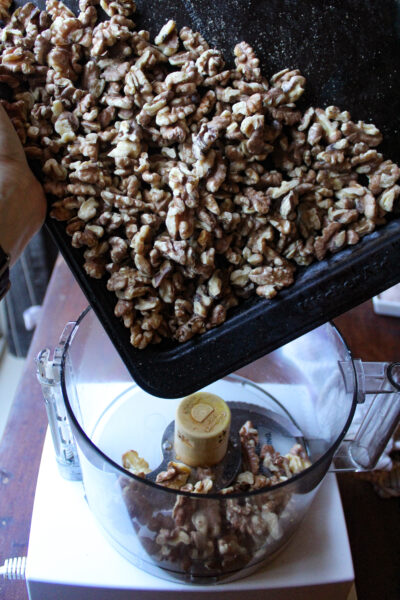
(349,52)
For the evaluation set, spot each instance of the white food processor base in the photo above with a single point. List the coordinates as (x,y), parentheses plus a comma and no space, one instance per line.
(69,559)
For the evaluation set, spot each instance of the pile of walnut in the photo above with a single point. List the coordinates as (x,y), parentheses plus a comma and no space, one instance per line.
(206,536)
(276,467)
(188,185)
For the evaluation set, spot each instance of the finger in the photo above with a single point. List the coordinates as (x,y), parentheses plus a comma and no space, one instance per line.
(10,144)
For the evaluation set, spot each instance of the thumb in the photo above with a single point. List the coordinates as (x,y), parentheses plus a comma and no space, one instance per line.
(10,144)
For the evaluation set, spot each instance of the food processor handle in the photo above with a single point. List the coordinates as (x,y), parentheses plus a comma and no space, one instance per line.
(376,417)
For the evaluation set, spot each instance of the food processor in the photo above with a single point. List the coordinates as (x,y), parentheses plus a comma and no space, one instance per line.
(310,392)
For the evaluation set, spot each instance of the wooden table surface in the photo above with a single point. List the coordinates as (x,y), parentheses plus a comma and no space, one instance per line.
(373,523)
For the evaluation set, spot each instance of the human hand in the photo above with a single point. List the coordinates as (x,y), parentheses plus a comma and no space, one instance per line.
(22,200)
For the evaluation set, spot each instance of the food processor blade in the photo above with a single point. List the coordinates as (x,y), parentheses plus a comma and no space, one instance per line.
(269,425)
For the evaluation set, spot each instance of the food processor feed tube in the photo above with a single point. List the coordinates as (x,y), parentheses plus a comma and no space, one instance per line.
(295,396)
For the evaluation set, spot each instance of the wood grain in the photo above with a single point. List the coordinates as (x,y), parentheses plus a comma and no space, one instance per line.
(373,523)
(21,446)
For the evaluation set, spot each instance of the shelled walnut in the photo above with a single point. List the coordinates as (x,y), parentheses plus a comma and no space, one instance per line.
(200,534)
(276,467)
(186,184)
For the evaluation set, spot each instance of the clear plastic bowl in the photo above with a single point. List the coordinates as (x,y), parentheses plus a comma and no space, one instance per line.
(203,538)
